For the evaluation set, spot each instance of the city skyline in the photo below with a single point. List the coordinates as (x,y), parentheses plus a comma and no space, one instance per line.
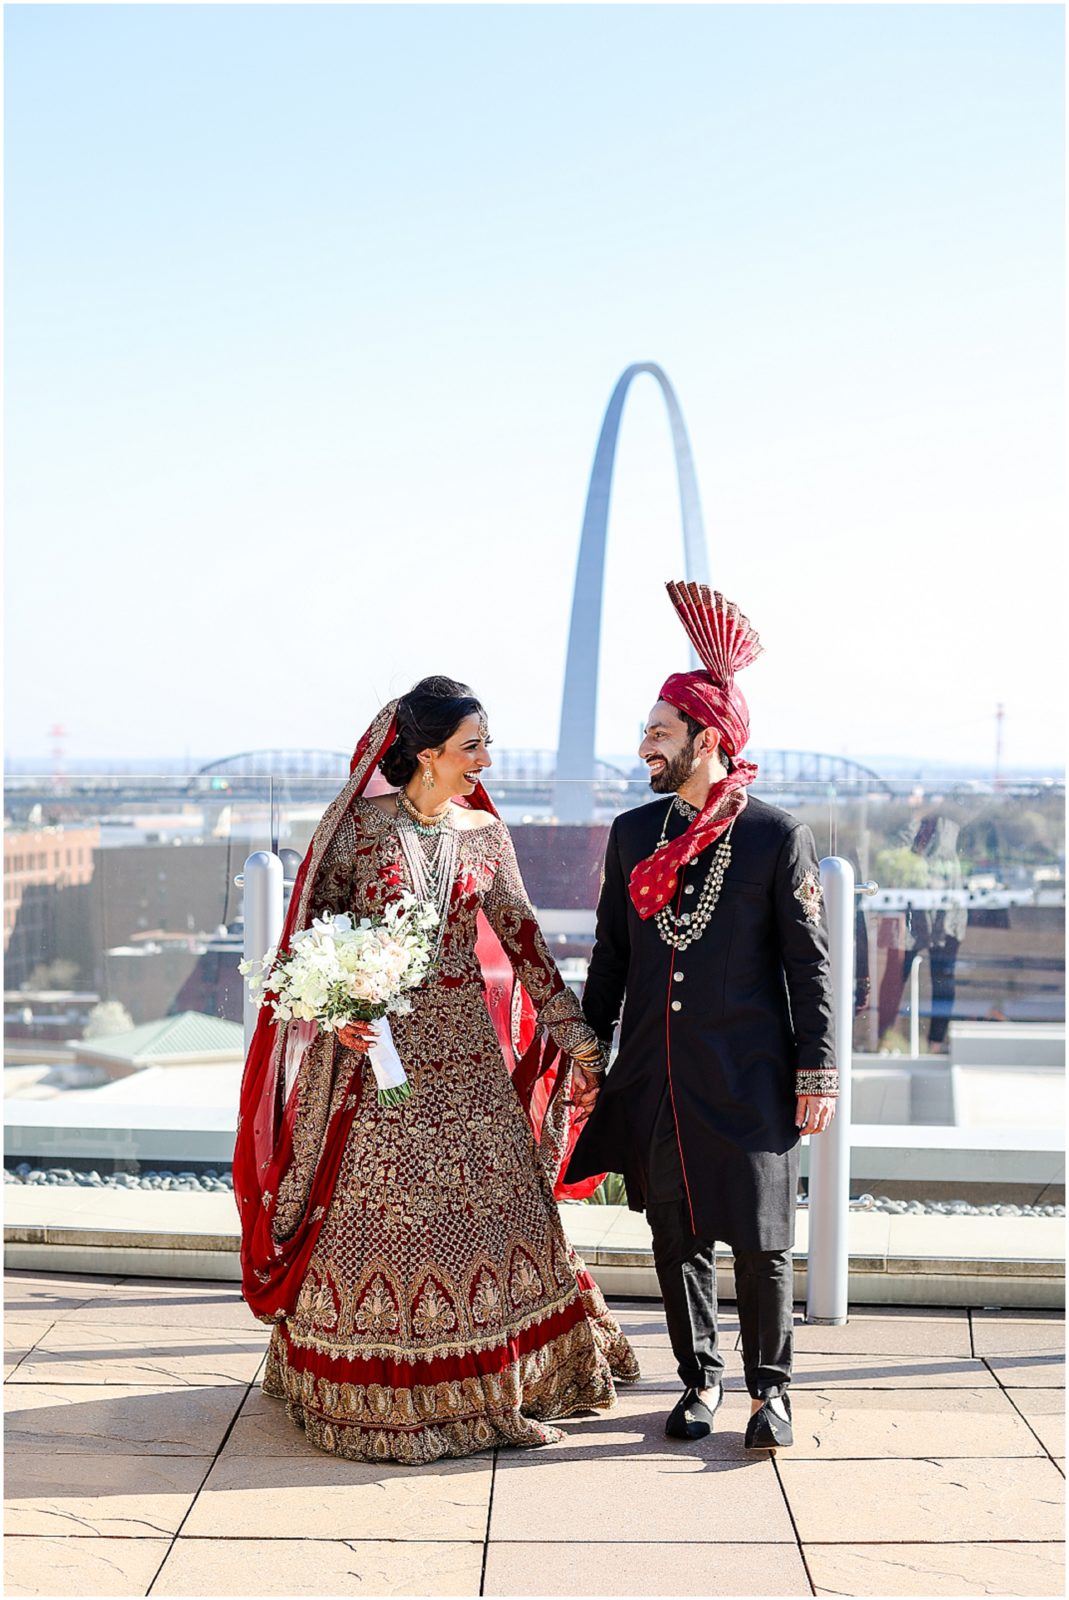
(286,301)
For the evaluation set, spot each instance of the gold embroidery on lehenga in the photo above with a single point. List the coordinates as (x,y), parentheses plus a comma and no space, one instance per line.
(433,1311)
(486,1299)
(441,1240)
(377,1311)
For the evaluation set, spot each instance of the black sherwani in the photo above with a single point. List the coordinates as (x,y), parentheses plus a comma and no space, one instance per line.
(731,1029)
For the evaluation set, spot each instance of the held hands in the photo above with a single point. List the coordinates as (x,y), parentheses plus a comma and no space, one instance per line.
(357,1035)
(814,1113)
(589,1061)
(585,1086)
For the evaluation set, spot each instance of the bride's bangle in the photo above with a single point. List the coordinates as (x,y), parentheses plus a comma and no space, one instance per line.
(591,1057)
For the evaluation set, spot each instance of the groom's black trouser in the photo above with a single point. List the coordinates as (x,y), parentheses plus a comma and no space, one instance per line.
(686,1272)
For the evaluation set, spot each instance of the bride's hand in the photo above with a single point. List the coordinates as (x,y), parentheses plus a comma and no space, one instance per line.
(357,1035)
(585,1086)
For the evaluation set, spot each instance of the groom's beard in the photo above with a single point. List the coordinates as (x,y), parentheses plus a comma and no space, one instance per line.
(676,773)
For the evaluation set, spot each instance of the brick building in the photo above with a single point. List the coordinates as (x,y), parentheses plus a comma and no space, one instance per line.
(47,873)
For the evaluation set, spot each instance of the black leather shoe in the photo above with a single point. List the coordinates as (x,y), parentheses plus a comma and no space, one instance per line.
(691,1418)
(767,1431)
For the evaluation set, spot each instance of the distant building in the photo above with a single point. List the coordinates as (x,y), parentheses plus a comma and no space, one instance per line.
(47,873)
(52,1015)
(188,1040)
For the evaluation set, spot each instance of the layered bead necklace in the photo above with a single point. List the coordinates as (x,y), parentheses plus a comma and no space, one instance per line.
(681,928)
(429,845)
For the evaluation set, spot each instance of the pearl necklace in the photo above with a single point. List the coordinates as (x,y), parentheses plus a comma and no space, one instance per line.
(431,867)
(680,929)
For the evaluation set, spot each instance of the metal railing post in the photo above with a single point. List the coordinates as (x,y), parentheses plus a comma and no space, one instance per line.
(261,888)
(915,1003)
(829,1152)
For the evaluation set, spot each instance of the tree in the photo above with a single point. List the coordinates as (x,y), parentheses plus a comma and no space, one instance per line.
(900,869)
(53,975)
(109,1017)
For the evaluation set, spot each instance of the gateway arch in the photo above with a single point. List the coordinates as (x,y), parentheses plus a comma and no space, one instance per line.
(574,789)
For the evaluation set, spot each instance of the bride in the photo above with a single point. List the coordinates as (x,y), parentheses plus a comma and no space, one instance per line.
(425,1299)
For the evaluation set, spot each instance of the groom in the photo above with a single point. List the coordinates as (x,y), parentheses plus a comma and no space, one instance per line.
(710,934)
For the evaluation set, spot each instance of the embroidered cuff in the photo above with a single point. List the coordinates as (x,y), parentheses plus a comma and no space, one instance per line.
(817,1080)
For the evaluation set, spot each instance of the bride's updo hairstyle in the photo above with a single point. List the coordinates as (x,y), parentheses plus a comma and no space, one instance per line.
(427,716)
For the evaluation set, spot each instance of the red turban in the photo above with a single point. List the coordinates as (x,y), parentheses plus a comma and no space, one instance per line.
(699,697)
(725,642)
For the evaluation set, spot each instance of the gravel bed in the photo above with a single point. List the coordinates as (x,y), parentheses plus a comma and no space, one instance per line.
(212,1181)
(207,1182)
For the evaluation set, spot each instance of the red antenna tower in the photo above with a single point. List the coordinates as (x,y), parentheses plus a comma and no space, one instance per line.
(57,733)
(1000,718)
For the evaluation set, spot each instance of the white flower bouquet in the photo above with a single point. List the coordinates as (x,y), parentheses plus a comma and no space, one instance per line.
(340,971)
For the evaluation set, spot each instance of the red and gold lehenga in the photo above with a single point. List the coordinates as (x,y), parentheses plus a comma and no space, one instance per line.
(434,1306)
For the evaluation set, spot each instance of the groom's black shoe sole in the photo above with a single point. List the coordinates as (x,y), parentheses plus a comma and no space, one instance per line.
(691,1418)
(766,1431)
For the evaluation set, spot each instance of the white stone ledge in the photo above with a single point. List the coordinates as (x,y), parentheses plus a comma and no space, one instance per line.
(906,1260)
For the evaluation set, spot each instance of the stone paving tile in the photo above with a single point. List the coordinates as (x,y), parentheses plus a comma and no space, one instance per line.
(120,1352)
(621,1460)
(204,1305)
(20,1336)
(644,1569)
(321,1567)
(80,1566)
(937,1569)
(624,1497)
(1010,1333)
(32,1293)
(272,1497)
(23,1329)
(824,1371)
(264,1428)
(642,1333)
(891,1331)
(635,1427)
(905,1502)
(128,1496)
(1029,1372)
(96,1419)
(659,1366)
(884,1423)
(1044,1410)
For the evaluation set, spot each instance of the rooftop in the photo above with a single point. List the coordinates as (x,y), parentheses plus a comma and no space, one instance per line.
(143,1457)
(189,1036)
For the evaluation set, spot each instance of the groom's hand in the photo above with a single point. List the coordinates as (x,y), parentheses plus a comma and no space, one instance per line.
(814,1113)
(585,1086)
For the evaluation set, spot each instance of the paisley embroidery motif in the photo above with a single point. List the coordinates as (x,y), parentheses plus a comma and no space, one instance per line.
(525,1281)
(377,1311)
(486,1300)
(433,1312)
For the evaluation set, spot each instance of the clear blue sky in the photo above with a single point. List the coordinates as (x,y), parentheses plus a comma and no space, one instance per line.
(312,314)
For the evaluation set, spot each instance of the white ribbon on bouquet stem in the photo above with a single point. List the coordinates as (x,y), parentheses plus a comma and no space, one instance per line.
(385,1062)
(382,1053)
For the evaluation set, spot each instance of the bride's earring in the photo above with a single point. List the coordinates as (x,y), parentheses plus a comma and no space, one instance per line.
(428,780)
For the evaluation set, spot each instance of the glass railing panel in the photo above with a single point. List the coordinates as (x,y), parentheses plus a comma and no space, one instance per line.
(122,915)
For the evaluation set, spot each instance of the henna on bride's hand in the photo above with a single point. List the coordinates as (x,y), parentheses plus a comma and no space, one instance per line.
(356,1036)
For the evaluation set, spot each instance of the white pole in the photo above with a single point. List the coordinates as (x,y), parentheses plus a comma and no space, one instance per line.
(829,1152)
(261,886)
(915,1004)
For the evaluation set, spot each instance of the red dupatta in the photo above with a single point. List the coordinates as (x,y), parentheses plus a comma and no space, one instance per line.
(272,1271)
